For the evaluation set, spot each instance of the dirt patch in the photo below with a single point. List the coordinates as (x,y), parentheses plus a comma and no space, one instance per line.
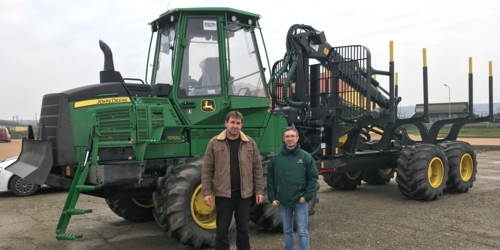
(480,141)
(9,149)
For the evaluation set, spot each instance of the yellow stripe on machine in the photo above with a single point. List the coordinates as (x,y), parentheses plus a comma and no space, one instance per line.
(101,101)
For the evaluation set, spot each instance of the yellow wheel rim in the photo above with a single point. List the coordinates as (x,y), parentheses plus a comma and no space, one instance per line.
(203,215)
(385,171)
(143,202)
(353,175)
(466,167)
(435,172)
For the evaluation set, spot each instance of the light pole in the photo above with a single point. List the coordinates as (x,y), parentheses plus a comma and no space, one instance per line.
(449,101)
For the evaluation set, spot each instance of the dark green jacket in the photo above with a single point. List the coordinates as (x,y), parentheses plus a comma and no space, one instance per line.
(291,176)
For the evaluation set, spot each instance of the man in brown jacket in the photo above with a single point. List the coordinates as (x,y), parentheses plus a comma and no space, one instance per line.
(232,171)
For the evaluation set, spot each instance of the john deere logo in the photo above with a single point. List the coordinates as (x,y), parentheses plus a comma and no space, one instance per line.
(207,105)
(300,161)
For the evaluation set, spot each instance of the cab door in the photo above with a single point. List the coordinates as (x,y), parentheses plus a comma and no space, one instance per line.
(201,93)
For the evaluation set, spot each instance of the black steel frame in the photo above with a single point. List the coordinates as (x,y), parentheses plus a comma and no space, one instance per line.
(347,72)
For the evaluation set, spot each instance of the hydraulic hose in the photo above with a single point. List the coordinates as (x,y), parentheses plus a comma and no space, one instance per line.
(287,85)
(274,82)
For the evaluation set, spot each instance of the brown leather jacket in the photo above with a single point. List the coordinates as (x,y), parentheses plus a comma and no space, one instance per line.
(215,175)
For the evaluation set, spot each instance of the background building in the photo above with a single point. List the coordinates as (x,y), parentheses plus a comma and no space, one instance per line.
(439,111)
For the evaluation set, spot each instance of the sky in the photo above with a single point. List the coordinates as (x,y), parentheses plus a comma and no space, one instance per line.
(51,46)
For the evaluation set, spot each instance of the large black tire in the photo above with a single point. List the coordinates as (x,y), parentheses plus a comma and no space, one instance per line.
(422,171)
(462,166)
(379,176)
(159,209)
(343,181)
(264,214)
(179,207)
(20,187)
(137,210)
(314,201)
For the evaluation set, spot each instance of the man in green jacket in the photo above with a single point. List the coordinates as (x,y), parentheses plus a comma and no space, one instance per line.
(291,183)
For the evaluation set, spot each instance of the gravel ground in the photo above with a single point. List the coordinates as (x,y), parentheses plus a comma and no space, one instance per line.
(370,217)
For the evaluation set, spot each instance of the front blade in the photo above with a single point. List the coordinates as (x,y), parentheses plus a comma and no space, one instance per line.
(34,162)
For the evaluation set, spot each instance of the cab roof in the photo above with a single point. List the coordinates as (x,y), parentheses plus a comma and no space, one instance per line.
(203,11)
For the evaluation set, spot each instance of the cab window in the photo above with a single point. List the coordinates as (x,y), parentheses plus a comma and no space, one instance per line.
(246,77)
(200,73)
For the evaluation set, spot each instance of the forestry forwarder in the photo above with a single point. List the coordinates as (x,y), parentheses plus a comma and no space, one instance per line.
(140,145)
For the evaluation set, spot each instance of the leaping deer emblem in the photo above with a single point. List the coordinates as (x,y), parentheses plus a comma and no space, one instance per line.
(207,106)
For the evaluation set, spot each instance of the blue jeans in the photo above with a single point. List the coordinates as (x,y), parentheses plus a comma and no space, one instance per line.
(299,212)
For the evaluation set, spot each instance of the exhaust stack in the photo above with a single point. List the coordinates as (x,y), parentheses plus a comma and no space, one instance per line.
(108,74)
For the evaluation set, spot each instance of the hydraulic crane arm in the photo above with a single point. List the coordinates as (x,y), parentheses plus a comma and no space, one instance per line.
(304,42)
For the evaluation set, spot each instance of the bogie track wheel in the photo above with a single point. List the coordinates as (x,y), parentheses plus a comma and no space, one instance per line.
(343,181)
(264,214)
(314,201)
(135,209)
(463,166)
(422,171)
(379,176)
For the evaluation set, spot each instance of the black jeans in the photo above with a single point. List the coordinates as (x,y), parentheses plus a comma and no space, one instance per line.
(225,209)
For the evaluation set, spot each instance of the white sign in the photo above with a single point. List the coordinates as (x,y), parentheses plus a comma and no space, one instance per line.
(209,25)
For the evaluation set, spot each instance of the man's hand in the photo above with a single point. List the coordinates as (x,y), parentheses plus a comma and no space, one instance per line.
(208,200)
(276,203)
(259,198)
(302,200)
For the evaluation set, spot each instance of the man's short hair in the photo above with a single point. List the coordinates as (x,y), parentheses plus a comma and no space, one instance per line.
(234,114)
(291,128)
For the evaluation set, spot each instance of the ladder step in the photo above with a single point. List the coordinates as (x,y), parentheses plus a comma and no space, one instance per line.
(78,211)
(87,188)
(68,236)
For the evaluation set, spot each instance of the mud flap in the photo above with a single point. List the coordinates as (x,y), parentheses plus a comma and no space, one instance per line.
(34,162)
